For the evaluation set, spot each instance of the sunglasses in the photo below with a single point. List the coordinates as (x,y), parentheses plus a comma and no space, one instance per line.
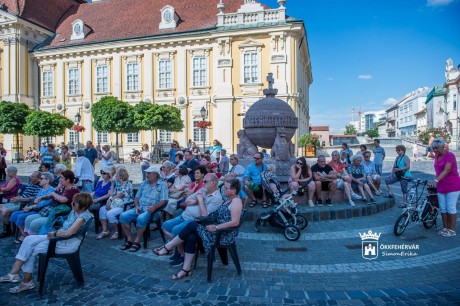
(257,158)
(299,163)
(205,181)
(42,178)
(103,173)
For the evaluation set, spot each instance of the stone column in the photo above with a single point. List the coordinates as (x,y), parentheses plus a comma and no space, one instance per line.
(6,68)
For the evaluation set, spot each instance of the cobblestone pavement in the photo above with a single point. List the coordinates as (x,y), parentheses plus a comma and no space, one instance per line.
(324,267)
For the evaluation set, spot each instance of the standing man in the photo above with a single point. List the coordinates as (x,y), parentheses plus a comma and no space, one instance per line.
(224,162)
(51,157)
(325,179)
(152,196)
(91,153)
(253,181)
(84,171)
(379,156)
(191,164)
(43,148)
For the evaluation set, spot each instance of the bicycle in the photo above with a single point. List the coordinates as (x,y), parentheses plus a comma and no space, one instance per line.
(425,211)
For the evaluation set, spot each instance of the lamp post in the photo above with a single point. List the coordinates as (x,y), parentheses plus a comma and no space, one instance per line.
(77,122)
(203,113)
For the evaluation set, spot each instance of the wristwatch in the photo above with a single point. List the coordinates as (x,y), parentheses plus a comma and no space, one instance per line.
(436,180)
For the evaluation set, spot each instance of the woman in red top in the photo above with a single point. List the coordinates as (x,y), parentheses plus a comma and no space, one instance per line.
(447,183)
(344,180)
(200,172)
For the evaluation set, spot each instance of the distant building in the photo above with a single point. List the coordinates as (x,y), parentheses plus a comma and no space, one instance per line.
(452,86)
(370,119)
(421,121)
(323,132)
(436,108)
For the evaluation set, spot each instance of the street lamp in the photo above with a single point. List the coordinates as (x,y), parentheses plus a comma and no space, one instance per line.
(203,113)
(77,122)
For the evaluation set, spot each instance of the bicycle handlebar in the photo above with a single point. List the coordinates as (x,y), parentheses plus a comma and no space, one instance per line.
(415,181)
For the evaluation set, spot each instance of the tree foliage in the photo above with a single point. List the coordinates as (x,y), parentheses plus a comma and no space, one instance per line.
(373,133)
(13,117)
(157,117)
(113,115)
(350,129)
(308,140)
(45,124)
(437,132)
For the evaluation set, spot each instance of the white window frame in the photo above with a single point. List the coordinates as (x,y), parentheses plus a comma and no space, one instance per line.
(73,81)
(102,137)
(102,79)
(132,137)
(132,76)
(165,136)
(200,73)
(73,136)
(165,76)
(199,133)
(251,67)
(47,83)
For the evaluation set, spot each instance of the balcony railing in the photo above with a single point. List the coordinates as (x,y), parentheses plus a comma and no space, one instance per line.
(252,17)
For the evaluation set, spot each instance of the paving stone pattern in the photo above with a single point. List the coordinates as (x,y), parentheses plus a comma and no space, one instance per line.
(324,267)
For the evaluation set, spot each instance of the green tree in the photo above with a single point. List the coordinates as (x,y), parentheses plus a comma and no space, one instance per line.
(45,124)
(12,120)
(373,133)
(437,132)
(308,140)
(114,116)
(350,130)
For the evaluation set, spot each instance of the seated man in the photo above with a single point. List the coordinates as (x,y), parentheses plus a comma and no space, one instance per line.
(253,181)
(151,197)
(325,179)
(201,203)
(373,178)
(14,204)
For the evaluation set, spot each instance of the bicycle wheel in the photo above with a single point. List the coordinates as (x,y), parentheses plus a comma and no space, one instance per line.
(401,224)
(301,223)
(291,232)
(430,219)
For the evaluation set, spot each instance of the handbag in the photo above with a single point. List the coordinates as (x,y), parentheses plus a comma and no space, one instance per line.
(209,219)
(117,203)
(398,174)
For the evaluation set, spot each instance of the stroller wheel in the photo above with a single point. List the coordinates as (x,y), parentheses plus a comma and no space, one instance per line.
(257,225)
(291,232)
(302,222)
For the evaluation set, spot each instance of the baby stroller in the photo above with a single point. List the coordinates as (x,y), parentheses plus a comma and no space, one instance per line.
(284,214)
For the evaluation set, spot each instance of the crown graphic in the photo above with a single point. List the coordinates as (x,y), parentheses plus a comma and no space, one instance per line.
(370,235)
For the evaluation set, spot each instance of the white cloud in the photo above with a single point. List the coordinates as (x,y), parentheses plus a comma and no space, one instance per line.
(330,79)
(365,76)
(390,101)
(438,2)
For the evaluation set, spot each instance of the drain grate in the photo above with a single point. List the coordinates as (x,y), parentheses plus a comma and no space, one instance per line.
(354,246)
(290,249)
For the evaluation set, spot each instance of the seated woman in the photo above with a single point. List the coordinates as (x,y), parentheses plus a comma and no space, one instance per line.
(206,161)
(10,188)
(344,180)
(181,183)
(61,202)
(167,173)
(38,244)
(19,217)
(58,169)
(199,172)
(101,193)
(214,168)
(300,173)
(369,170)
(358,178)
(123,193)
(228,215)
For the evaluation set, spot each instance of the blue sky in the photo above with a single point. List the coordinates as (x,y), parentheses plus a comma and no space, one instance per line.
(370,53)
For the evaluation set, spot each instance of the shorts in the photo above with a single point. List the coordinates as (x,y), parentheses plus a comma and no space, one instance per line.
(325,186)
(339,183)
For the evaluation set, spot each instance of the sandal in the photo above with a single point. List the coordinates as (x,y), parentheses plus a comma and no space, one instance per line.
(23,287)
(252,204)
(10,278)
(136,246)
(449,233)
(264,204)
(126,245)
(102,235)
(158,250)
(114,236)
(177,276)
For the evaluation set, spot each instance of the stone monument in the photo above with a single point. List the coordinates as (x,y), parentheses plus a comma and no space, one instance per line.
(269,123)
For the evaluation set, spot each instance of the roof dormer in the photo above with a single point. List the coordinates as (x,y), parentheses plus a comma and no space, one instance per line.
(79,30)
(169,18)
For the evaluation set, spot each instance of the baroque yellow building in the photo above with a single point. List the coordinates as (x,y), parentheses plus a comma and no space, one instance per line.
(64,55)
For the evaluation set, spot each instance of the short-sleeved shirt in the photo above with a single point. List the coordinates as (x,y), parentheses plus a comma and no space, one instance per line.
(253,173)
(48,158)
(73,216)
(127,189)
(339,167)
(211,201)
(239,170)
(191,164)
(102,190)
(321,170)
(68,193)
(369,168)
(149,195)
(379,154)
(224,164)
(30,191)
(44,202)
(451,182)
(91,154)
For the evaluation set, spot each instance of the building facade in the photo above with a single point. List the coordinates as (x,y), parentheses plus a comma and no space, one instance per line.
(64,55)
(452,87)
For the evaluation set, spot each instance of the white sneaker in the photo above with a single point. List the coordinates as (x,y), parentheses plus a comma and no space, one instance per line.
(310,203)
(352,204)
(355,196)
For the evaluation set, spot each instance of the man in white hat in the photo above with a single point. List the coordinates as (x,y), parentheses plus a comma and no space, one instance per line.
(151,197)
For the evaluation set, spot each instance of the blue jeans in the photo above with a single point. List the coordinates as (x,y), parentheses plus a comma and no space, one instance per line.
(175,225)
(130,216)
(87,186)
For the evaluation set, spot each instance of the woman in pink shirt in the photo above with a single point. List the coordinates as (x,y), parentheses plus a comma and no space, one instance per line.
(448,184)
